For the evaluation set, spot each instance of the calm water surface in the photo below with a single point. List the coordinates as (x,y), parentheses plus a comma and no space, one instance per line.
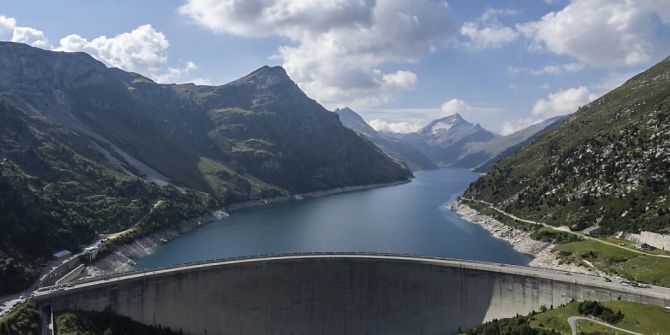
(410,218)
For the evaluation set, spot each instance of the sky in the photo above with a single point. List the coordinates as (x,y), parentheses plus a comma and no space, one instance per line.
(505,64)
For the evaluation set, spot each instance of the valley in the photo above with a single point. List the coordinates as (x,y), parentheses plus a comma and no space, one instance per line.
(335,167)
(88,150)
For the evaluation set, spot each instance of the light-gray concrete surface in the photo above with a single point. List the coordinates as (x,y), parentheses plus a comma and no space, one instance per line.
(336,293)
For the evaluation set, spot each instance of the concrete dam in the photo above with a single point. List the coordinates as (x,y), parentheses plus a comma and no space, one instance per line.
(335,293)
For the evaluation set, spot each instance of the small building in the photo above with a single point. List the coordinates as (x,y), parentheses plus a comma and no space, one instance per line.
(592,231)
(62,254)
(645,247)
(91,252)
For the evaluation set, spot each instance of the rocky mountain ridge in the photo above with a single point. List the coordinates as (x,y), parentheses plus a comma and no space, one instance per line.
(606,165)
(452,141)
(86,149)
(414,158)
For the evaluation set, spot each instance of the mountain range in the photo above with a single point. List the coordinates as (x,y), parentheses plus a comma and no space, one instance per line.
(86,149)
(414,158)
(606,165)
(450,141)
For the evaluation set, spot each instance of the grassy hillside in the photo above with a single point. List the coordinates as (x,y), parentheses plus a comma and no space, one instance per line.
(57,193)
(644,319)
(607,164)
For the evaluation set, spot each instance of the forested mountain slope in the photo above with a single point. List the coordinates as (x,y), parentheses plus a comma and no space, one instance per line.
(608,164)
(85,149)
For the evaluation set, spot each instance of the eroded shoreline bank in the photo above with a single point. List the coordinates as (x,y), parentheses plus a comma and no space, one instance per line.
(123,258)
(542,252)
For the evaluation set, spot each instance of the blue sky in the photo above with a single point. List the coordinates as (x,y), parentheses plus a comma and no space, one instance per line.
(400,63)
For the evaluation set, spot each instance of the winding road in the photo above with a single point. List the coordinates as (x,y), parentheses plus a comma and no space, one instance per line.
(573,324)
(584,236)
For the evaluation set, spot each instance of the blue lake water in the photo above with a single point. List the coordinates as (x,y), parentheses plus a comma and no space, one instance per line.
(411,218)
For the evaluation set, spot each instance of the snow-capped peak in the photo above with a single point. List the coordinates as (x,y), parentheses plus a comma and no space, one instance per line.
(444,124)
(441,126)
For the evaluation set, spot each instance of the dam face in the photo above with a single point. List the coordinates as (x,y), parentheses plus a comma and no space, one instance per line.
(326,294)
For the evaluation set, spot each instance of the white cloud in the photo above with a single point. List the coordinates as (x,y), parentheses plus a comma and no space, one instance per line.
(613,80)
(30,36)
(26,35)
(574,67)
(455,106)
(7,24)
(557,69)
(400,80)
(459,106)
(401,127)
(333,49)
(562,102)
(512,126)
(488,31)
(547,69)
(603,32)
(142,50)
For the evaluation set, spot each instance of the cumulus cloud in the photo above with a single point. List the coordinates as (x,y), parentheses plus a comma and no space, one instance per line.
(603,32)
(512,126)
(613,80)
(400,79)
(142,50)
(455,106)
(30,36)
(458,106)
(488,31)
(334,49)
(7,24)
(561,102)
(18,34)
(401,127)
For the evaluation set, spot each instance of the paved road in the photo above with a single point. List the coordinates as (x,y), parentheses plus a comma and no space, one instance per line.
(573,324)
(563,230)
(9,302)
(578,278)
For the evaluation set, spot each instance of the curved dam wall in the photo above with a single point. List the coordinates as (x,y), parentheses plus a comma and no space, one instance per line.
(326,294)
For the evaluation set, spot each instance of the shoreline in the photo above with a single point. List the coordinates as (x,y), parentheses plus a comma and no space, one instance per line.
(542,252)
(124,257)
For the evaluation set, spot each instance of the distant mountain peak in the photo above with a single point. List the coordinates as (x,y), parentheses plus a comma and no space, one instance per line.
(412,157)
(445,124)
(354,121)
(268,74)
(272,79)
(345,110)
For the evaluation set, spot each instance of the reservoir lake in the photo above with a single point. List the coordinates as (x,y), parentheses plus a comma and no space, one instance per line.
(411,218)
